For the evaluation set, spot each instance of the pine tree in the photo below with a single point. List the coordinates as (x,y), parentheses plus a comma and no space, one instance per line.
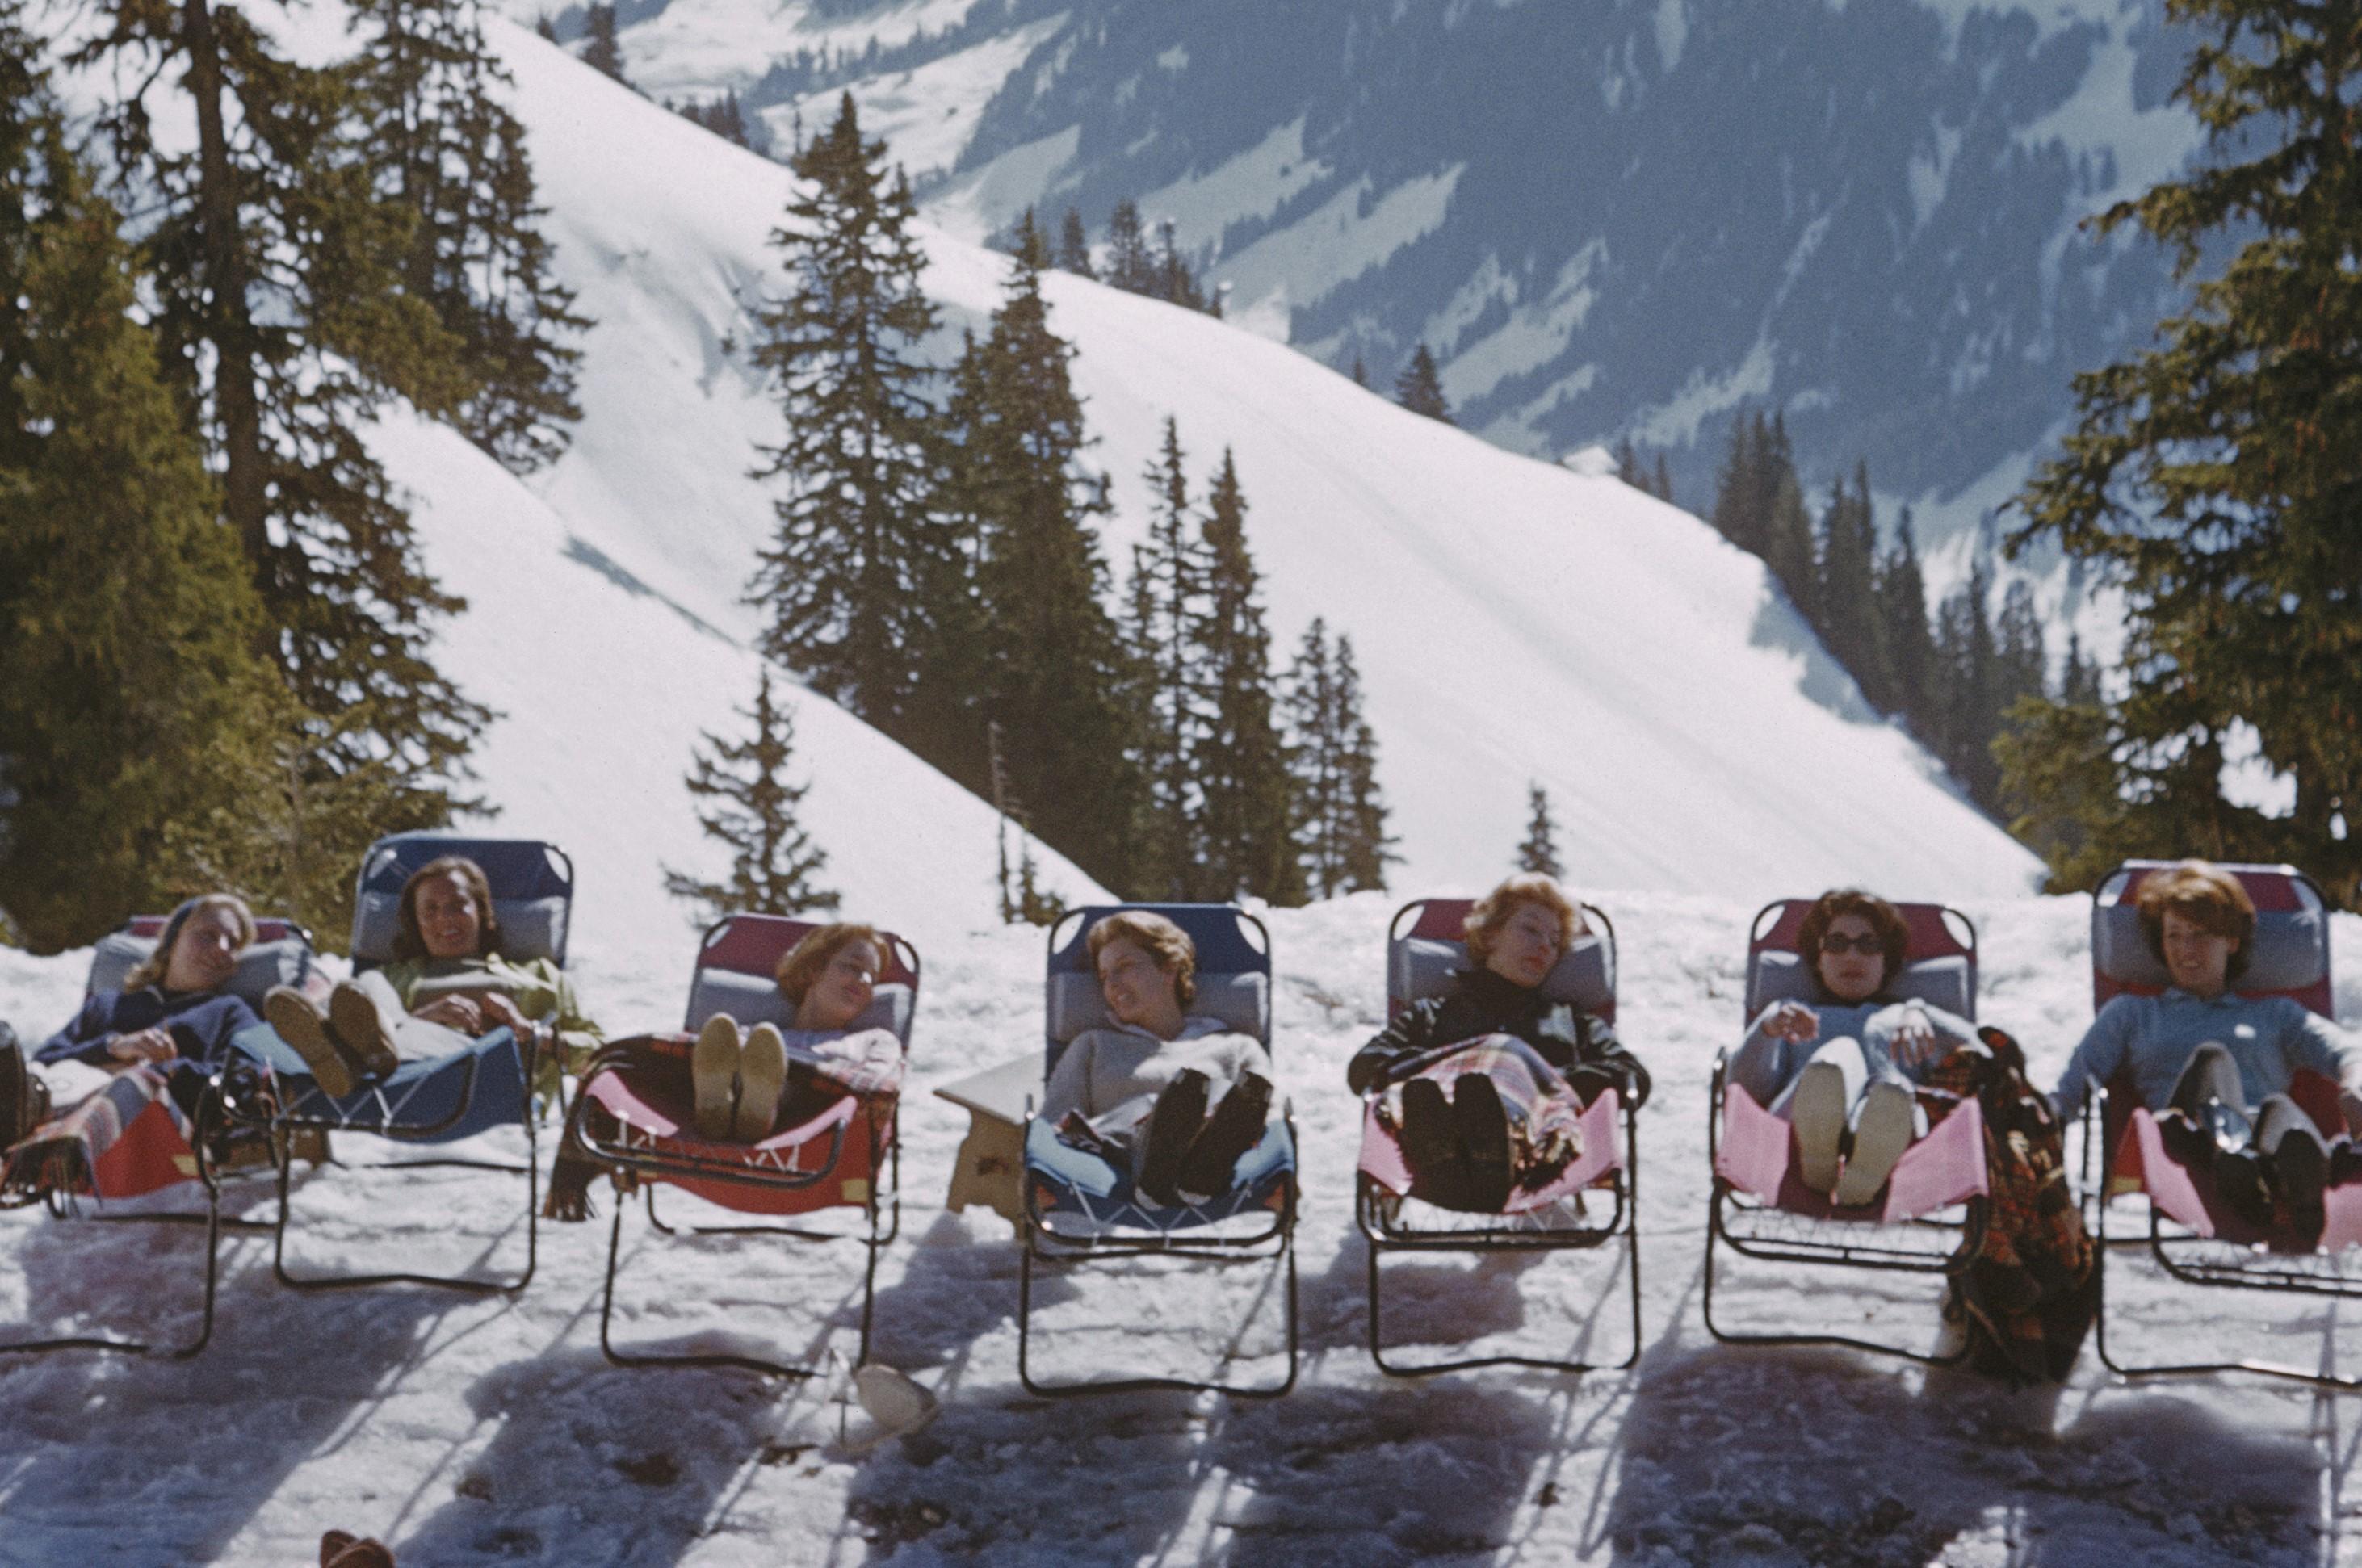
(1846,588)
(1360,371)
(1316,763)
(1175,282)
(285,318)
(1735,515)
(445,148)
(1628,465)
(1168,571)
(1905,648)
(1539,850)
(132,696)
(1365,845)
(2215,477)
(603,53)
(1029,244)
(1663,486)
(1968,685)
(859,546)
(1074,246)
(752,810)
(1242,761)
(1050,669)
(1419,388)
(1129,267)
(1788,546)
(2021,651)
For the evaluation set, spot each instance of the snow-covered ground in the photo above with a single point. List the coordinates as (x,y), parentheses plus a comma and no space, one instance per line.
(482,1431)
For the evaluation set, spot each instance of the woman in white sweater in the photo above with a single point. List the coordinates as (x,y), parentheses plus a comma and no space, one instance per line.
(1139,1093)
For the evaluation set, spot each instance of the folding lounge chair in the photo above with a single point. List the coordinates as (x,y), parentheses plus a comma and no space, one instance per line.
(1424,951)
(149,1144)
(1933,1214)
(2193,1238)
(631,1115)
(481,1086)
(1079,1208)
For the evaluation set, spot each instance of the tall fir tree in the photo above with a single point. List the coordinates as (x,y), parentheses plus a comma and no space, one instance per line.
(1420,387)
(1788,544)
(1367,847)
(1734,515)
(1166,608)
(2216,477)
(1051,670)
(750,809)
(1539,850)
(1075,246)
(284,316)
(445,148)
(601,51)
(135,704)
(1130,266)
(1905,648)
(1360,372)
(1662,487)
(1316,762)
(844,584)
(1848,583)
(1242,765)
(1627,464)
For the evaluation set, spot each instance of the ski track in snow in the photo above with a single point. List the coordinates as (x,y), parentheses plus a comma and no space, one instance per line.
(468,1430)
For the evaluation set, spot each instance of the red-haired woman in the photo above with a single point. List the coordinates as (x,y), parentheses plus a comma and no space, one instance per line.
(740,1078)
(1518,1065)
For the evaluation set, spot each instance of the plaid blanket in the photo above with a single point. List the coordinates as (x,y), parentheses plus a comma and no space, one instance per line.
(1545,1119)
(131,1137)
(2028,1298)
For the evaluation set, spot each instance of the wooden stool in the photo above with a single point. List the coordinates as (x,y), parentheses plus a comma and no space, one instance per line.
(991,1161)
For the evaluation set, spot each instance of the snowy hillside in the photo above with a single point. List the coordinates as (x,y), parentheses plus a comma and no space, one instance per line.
(1513,620)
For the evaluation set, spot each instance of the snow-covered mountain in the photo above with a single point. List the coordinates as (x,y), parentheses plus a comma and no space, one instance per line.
(1515,620)
(1605,217)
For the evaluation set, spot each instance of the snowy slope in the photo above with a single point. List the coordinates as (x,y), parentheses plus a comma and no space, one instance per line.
(1513,620)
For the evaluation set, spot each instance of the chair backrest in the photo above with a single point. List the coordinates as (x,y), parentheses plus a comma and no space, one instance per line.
(1425,950)
(1233,971)
(279,954)
(1939,960)
(2288,956)
(737,968)
(532,883)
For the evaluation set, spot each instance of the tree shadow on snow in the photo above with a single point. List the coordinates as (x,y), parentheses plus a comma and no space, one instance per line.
(1778,1456)
(598,1463)
(953,1291)
(200,1446)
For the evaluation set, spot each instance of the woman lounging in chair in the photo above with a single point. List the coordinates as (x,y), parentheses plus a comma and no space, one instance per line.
(448,983)
(2222,1061)
(171,1016)
(1847,1060)
(740,1080)
(1519,1064)
(1138,1094)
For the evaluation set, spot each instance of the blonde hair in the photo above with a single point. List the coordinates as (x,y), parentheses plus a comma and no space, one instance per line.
(150,970)
(807,958)
(2207,897)
(1496,910)
(1163,941)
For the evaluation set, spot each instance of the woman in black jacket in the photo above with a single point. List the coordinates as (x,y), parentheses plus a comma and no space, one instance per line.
(1516,1063)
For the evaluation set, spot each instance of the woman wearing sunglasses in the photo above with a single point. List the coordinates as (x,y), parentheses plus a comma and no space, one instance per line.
(1846,1061)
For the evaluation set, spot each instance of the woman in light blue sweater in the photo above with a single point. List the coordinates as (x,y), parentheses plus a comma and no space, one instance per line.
(1846,1061)
(2224,1061)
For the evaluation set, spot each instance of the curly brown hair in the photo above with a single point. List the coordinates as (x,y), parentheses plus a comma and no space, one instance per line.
(1163,941)
(410,943)
(1885,921)
(1496,910)
(2207,897)
(807,958)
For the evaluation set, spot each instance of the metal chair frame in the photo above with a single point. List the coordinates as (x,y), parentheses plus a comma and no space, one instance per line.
(1042,1243)
(282,1122)
(1743,1223)
(882,1212)
(1377,1212)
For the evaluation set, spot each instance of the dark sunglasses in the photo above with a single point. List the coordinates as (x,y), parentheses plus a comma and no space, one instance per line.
(1865,945)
